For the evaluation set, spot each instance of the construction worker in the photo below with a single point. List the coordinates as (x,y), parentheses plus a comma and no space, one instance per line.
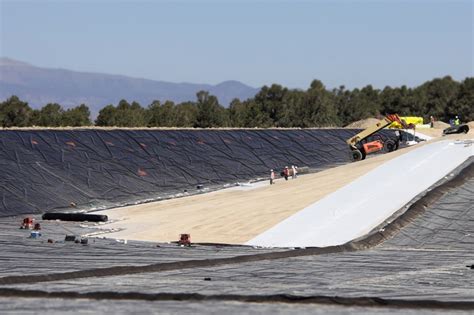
(272,176)
(293,169)
(457,122)
(286,172)
(432,120)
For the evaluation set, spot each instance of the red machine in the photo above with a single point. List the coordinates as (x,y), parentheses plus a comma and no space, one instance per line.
(373,146)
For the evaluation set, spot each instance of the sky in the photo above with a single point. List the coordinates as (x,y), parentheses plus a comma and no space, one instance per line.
(351,43)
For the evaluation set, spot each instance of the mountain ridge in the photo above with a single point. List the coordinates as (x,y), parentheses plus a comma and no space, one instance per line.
(39,86)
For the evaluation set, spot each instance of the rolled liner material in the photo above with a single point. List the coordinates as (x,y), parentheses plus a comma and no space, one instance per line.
(357,208)
(75,217)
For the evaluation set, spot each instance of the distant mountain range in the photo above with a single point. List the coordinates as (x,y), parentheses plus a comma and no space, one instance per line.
(39,86)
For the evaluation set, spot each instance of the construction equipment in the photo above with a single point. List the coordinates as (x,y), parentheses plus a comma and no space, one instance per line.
(27,223)
(464,128)
(360,146)
(417,121)
(184,240)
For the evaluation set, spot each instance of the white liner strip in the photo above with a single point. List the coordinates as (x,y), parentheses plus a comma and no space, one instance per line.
(357,208)
(418,134)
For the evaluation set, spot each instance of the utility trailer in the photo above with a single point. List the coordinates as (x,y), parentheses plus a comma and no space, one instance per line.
(464,128)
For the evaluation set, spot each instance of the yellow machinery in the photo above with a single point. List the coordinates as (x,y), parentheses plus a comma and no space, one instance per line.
(408,120)
(359,145)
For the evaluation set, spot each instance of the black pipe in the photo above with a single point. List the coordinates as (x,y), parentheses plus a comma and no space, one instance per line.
(75,217)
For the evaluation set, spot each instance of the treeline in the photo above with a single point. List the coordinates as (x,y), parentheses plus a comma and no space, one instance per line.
(16,113)
(274,106)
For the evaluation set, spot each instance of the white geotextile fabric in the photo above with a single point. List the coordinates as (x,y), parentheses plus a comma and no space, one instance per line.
(418,134)
(357,208)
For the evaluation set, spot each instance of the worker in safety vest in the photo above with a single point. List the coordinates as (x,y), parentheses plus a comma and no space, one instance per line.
(457,122)
(272,177)
(286,172)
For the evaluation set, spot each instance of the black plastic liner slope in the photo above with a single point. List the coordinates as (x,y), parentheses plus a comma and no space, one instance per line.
(42,170)
(413,265)
(423,266)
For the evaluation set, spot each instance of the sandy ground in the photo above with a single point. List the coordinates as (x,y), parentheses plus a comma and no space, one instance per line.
(432,132)
(235,216)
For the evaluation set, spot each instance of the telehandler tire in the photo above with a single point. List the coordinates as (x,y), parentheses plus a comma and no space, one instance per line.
(390,145)
(356,155)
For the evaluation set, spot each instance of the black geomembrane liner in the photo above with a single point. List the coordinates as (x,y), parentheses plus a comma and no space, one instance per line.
(44,170)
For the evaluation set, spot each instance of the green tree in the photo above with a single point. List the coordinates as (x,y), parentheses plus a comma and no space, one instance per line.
(107,116)
(358,104)
(318,107)
(186,114)
(463,106)
(76,116)
(34,117)
(403,101)
(342,99)
(248,114)
(50,115)
(235,113)
(124,115)
(438,95)
(14,112)
(138,115)
(209,112)
(271,101)
(130,115)
(294,110)
(161,115)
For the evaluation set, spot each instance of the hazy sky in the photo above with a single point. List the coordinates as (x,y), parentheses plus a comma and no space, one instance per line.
(350,43)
